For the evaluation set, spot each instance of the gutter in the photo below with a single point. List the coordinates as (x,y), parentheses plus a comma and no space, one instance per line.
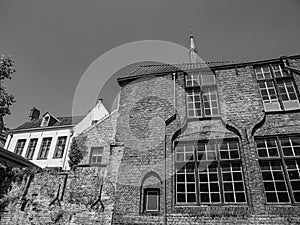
(42,128)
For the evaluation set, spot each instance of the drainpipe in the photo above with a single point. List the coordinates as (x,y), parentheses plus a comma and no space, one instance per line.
(167,122)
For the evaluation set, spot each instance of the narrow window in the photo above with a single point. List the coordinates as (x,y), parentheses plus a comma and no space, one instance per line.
(60,147)
(46,142)
(96,155)
(31,148)
(20,146)
(151,200)
(202,97)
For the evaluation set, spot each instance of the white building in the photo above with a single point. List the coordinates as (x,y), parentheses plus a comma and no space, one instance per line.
(46,141)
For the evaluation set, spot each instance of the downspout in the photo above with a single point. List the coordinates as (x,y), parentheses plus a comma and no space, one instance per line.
(167,122)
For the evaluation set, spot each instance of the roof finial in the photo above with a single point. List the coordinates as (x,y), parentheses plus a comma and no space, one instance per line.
(193,53)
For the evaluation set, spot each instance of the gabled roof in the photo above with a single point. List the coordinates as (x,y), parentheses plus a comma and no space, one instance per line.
(62,121)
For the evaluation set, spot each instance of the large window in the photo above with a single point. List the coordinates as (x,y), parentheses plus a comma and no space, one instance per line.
(277,88)
(31,148)
(202,97)
(60,147)
(209,172)
(46,142)
(279,160)
(20,146)
(96,155)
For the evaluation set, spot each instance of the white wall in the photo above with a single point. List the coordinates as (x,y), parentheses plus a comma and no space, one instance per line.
(97,113)
(54,134)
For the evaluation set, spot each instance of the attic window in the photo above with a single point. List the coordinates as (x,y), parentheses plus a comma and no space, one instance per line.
(45,121)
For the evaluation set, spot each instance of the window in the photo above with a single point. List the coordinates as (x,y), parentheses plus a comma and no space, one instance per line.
(46,142)
(60,147)
(151,200)
(279,160)
(277,88)
(45,121)
(96,155)
(20,146)
(209,172)
(31,148)
(202,97)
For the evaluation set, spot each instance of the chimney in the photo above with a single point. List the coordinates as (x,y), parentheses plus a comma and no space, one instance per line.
(34,114)
(99,101)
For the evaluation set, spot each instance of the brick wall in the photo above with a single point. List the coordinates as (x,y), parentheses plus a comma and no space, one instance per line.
(144,106)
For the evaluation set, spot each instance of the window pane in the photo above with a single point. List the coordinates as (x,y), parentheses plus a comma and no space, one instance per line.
(293,168)
(185,183)
(209,184)
(96,155)
(274,182)
(152,203)
(233,181)
(46,142)
(31,148)
(267,148)
(20,146)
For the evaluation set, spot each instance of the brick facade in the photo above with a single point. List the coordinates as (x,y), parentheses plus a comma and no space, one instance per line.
(146,103)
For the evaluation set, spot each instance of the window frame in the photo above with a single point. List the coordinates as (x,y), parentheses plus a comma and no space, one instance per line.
(218,162)
(20,148)
(275,80)
(47,148)
(57,146)
(201,89)
(91,156)
(145,200)
(31,148)
(282,159)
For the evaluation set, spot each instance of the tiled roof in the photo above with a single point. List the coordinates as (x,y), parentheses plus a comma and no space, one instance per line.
(62,121)
(167,68)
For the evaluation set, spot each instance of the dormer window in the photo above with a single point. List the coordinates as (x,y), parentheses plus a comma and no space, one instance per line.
(45,121)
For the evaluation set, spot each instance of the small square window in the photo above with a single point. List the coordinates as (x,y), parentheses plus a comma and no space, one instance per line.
(151,200)
(96,155)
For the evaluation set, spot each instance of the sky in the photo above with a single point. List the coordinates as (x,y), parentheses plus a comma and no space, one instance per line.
(54,42)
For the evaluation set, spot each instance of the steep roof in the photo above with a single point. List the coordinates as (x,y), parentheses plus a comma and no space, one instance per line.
(62,121)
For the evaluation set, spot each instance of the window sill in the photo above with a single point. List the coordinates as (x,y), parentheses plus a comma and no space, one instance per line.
(282,111)
(213,205)
(217,117)
(97,165)
(42,158)
(156,213)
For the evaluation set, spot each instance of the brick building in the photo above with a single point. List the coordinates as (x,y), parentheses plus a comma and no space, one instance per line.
(210,143)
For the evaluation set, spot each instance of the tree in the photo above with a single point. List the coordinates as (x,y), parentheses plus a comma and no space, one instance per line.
(6,100)
(75,154)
